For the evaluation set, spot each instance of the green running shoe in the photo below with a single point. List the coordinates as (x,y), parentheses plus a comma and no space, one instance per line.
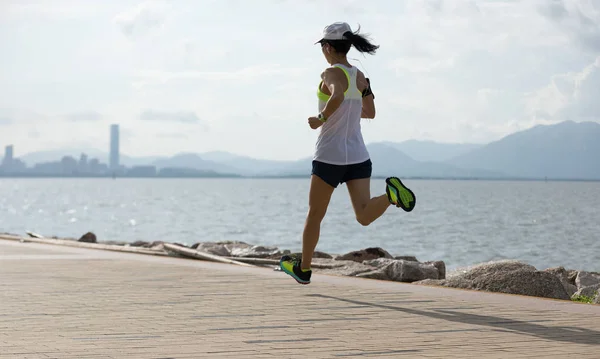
(400,195)
(292,266)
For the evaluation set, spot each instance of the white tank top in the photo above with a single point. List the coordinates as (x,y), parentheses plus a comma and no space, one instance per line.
(340,140)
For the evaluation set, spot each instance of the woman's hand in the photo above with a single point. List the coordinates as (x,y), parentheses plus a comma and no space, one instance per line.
(314,122)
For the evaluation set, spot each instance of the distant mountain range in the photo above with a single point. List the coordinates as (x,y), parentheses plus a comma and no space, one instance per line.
(567,150)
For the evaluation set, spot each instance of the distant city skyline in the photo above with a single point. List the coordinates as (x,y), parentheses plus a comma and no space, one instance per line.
(528,154)
(68,164)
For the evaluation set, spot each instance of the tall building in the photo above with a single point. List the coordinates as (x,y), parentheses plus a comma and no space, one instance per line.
(114,148)
(7,161)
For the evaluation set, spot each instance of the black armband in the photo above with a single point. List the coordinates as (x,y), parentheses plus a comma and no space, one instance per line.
(367,91)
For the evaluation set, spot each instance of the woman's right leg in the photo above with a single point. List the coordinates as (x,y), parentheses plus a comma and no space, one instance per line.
(323,181)
(318,201)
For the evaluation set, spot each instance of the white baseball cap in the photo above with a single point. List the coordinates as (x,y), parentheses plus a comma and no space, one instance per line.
(335,31)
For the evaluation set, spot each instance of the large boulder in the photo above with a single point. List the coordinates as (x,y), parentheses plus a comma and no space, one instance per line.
(343,268)
(490,268)
(89,237)
(400,270)
(597,299)
(365,254)
(587,279)
(565,277)
(507,276)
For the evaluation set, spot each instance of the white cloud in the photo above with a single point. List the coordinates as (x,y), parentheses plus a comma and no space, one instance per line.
(570,96)
(143,17)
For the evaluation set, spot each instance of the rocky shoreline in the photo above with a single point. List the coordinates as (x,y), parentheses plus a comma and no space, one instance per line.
(505,276)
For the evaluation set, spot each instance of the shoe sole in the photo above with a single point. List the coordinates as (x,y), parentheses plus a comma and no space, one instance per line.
(291,274)
(406,198)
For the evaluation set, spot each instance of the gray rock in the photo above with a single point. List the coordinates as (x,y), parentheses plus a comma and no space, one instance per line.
(565,278)
(441,267)
(507,276)
(487,268)
(590,291)
(217,249)
(407,258)
(343,268)
(365,254)
(597,299)
(586,279)
(400,270)
(89,237)
(254,251)
(524,282)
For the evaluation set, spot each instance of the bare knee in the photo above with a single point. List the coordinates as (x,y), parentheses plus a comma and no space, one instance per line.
(316,214)
(364,221)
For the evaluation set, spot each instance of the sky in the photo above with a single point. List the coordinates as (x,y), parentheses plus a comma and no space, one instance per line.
(241,76)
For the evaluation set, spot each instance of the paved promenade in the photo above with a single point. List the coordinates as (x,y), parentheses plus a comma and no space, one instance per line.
(63,302)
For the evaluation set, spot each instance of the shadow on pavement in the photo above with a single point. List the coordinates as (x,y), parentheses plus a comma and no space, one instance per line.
(559,334)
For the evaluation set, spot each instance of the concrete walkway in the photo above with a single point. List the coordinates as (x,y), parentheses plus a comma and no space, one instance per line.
(63,302)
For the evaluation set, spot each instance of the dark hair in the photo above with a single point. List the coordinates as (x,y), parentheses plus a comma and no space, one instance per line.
(360,42)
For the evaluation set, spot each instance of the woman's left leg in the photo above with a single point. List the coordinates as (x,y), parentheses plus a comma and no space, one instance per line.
(367,209)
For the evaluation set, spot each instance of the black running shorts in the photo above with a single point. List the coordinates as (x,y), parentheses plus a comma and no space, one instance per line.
(336,174)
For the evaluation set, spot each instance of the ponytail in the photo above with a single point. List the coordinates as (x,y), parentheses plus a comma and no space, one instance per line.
(361,43)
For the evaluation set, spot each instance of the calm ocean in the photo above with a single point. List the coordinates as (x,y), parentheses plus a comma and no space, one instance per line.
(545,224)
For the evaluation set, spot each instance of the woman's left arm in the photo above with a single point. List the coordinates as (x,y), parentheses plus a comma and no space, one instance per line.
(368,99)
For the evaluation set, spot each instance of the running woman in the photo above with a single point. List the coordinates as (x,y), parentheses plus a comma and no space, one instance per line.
(341,156)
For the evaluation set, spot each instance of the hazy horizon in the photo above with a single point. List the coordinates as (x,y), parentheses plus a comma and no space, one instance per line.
(194,77)
(105,151)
